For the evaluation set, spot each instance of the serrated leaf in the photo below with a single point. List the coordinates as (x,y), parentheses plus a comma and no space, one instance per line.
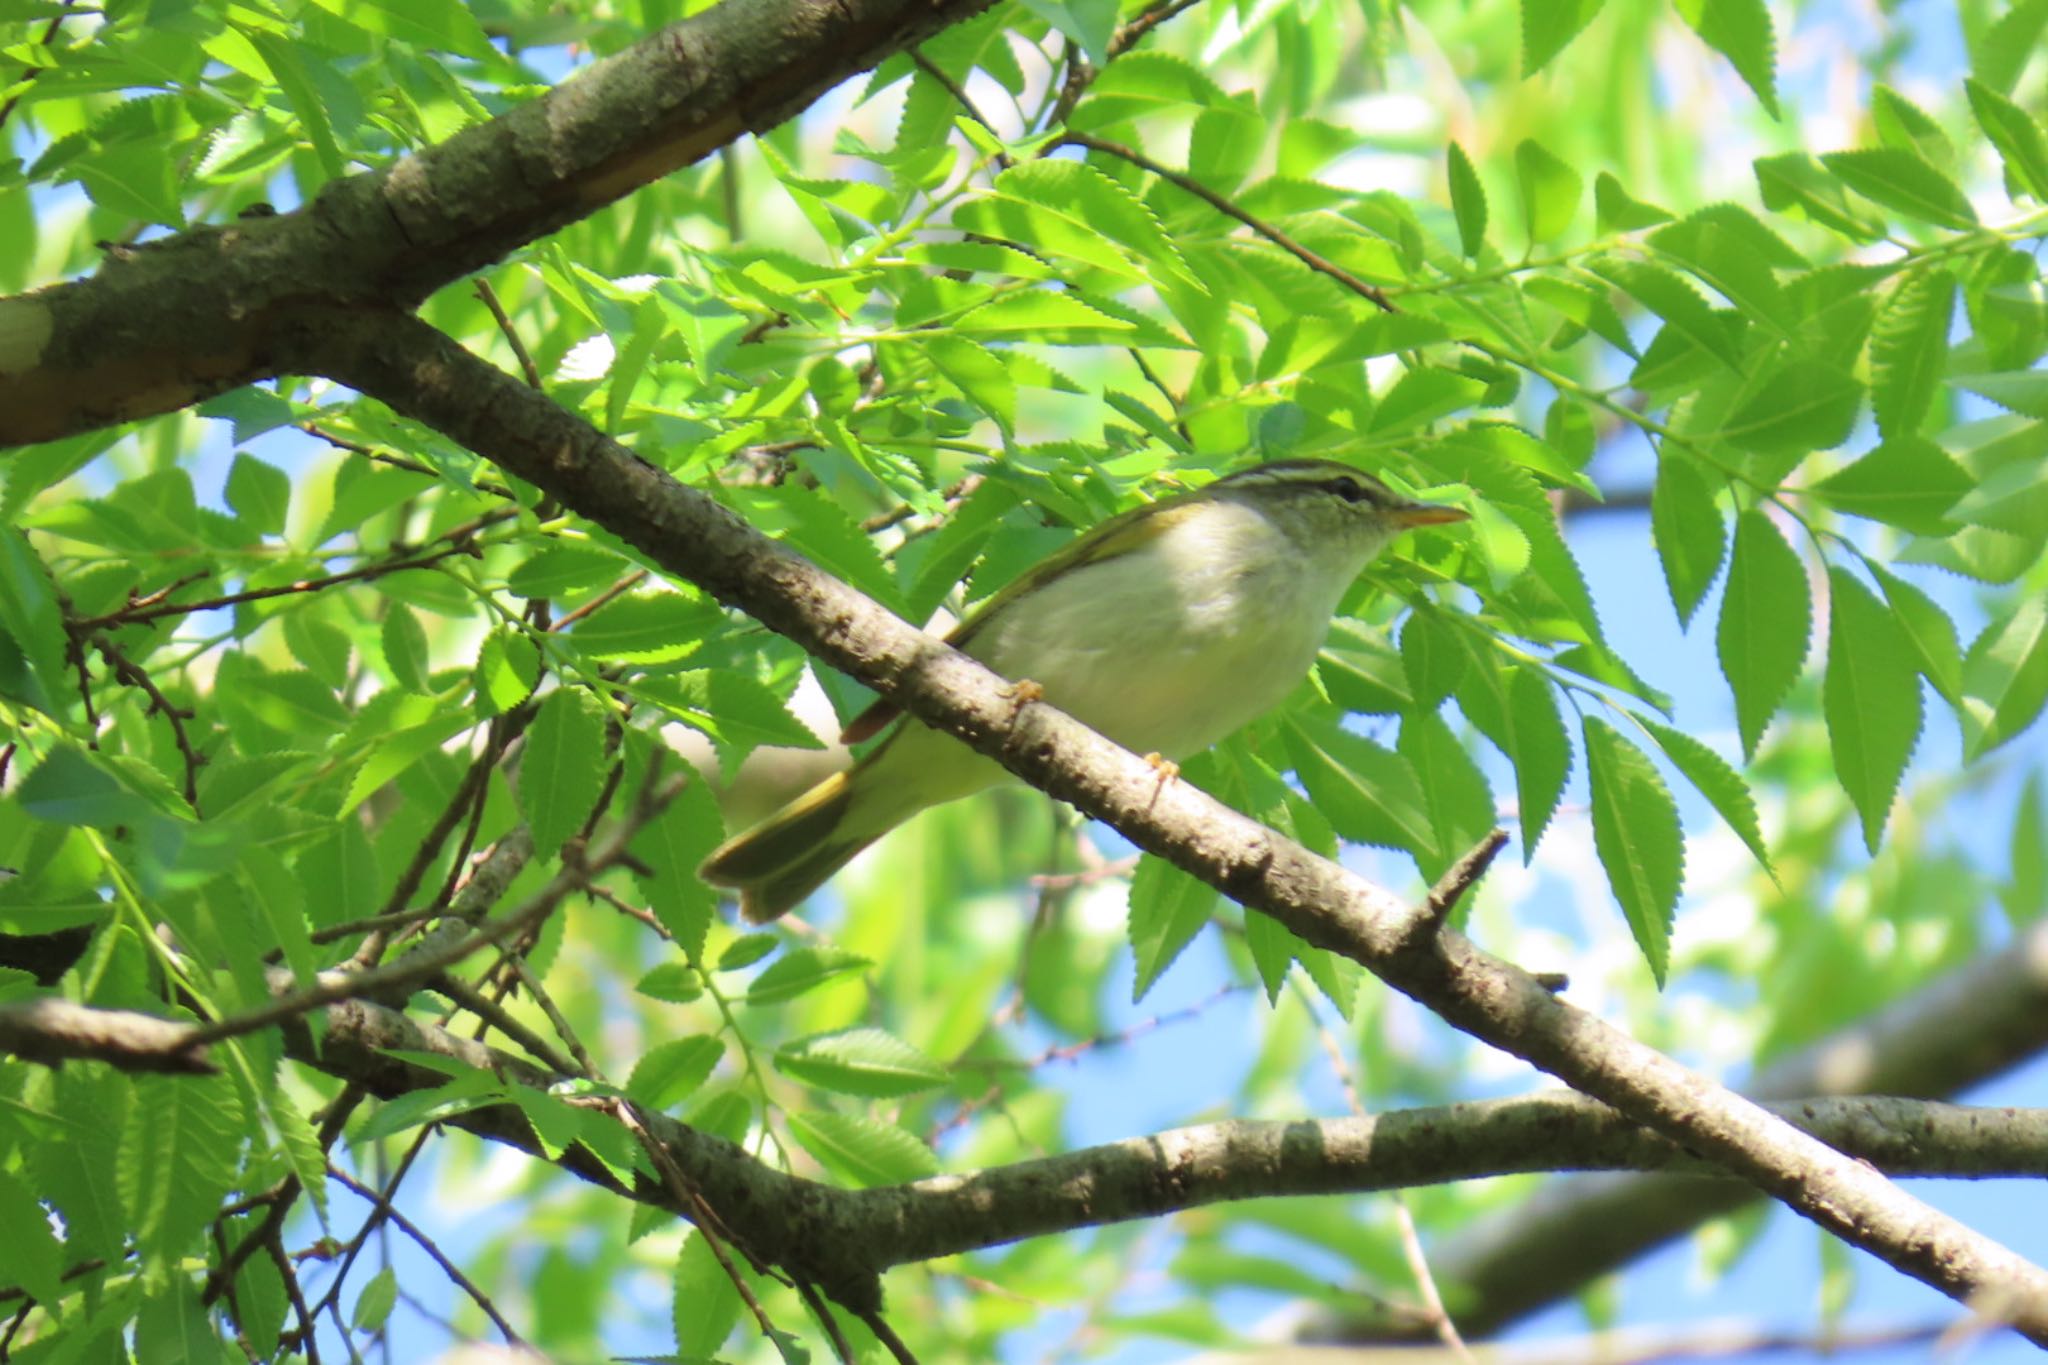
(1717,780)
(979,373)
(507,669)
(1468,202)
(1691,535)
(35,1261)
(646,628)
(2022,391)
(730,707)
(1766,621)
(1739,30)
(177,1158)
(562,769)
(2005,678)
(1617,211)
(1905,125)
(1454,791)
(1805,405)
(1871,698)
(1796,180)
(1547,25)
(405,647)
(1516,708)
(1908,482)
(1361,672)
(260,494)
(1675,301)
(862,1061)
(801,970)
(2019,138)
(670,850)
(862,1151)
(1168,908)
(1368,793)
(1637,835)
(1549,190)
(1433,656)
(707,1305)
(1909,350)
(1904,183)
(671,1072)
(1720,246)
(1937,653)
(2001,50)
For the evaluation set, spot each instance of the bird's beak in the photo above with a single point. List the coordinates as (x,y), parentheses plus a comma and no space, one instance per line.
(1428,514)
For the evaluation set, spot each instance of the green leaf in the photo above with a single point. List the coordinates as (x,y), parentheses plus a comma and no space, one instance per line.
(2025,892)
(1637,835)
(2014,499)
(671,1072)
(646,628)
(1739,30)
(376,1301)
(177,1159)
(1547,25)
(556,570)
(2005,678)
(802,970)
(35,1261)
(862,1151)
(405,647)
(1168,908)
(1672,299)
(1905,125)
(671,849)
(1433,655)
(1766,621)
(1932,634)
(1909,350)
(1516,708)
(1361,672)
(1687,525)
(507,669)
(74,787)
(1805,405)
(1617,211)
(707,1305)
(1904,183)
(261,494)
(980,375)
(1368,794)
(862,1061)
(2000,51)
(1468,201)
(1717,780)
(1549,188)
(1871,698)
(730,707)
(2022,391)
(1795,180)
(1908,482)
(563,767)
(1732,253)
(1454,791)
(296,84)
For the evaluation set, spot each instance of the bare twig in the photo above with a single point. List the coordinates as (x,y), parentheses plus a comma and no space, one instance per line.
(1457,880)
(426,1244)
(511,333)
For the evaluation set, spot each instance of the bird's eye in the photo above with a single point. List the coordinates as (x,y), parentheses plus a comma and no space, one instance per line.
(1351,490)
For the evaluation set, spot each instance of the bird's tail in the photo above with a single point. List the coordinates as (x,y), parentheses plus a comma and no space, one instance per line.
(792,853)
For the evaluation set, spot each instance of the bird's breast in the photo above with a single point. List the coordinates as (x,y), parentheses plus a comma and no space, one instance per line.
(1174,645)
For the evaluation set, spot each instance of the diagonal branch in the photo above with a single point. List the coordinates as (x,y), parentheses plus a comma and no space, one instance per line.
(425,375)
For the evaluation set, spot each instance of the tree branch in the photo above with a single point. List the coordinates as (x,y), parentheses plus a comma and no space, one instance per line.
(426,376)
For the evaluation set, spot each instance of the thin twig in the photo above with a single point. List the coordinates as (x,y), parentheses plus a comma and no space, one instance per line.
(511,333)
(1320,264)
(426,1244)
(960,97)
(1457,880)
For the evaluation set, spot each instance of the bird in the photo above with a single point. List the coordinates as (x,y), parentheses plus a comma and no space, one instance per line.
(1164,628)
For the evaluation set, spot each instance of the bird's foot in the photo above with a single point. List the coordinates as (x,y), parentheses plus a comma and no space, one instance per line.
(1168,770)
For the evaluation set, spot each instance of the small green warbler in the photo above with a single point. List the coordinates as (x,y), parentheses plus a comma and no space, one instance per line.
(1164,628)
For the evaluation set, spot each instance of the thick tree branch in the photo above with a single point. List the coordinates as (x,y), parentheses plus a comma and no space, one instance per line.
(424,375)
(163,325)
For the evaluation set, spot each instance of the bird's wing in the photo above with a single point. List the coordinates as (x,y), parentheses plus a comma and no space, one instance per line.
(1122,534)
